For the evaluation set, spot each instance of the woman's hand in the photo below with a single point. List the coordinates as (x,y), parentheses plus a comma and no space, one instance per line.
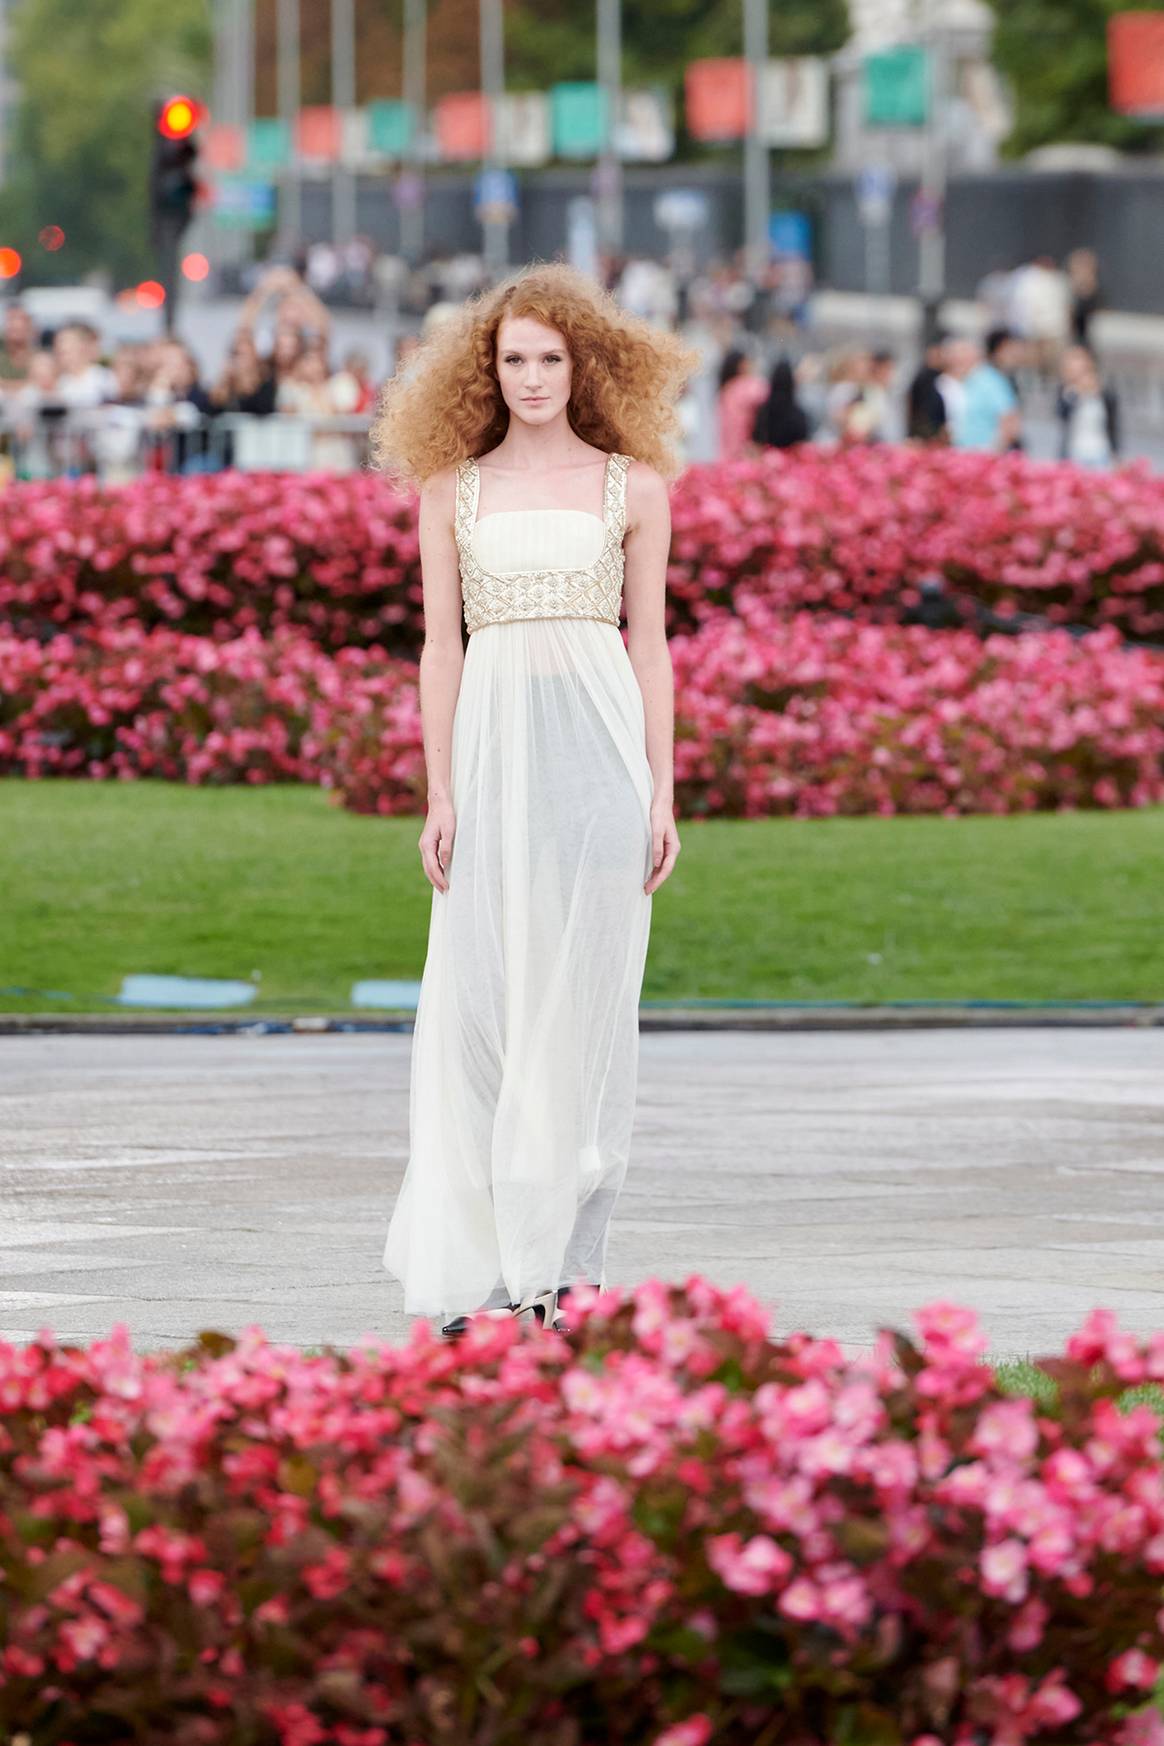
(664,844)
(436,842)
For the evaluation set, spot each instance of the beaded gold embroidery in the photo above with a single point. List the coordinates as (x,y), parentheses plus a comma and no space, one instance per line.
(594,591)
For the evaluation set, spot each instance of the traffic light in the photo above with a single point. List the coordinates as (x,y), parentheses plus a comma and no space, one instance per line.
(173,187)
(173,183)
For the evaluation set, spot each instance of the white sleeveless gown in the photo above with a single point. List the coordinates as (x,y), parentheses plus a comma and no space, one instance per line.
(525,1048)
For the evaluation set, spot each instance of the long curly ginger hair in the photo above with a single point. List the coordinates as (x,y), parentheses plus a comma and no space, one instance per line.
(444,402)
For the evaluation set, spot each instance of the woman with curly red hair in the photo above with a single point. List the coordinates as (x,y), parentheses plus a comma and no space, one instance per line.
(538,422)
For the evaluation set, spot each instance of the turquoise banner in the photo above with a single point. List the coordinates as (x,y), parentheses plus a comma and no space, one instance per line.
(268,144)
(897,87)
(577,119)
(389,127)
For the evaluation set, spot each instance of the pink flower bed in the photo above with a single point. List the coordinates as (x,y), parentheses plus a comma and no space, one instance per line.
(857,530)
(667,1530)
(808,716)
(848,532)
(815,715)
(187,709)
(334,556)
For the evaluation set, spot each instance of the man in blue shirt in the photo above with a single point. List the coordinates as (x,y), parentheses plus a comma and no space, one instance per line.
(988,415)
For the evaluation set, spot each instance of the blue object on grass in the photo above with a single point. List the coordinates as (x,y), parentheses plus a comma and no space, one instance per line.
(184,991)
(389,994)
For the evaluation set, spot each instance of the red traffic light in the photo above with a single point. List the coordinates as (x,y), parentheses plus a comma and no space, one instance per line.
(179,117)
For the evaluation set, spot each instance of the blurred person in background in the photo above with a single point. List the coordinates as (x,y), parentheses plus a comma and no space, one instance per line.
(988,417)
(82,381)
(117,440)
(296,307)
(129,375)
(848,413)
(780,422)
(1088,412)
(179,409)
(1042,311)
(246,382)
(926,419)
(996,294)
(1086,294)
(37,449)
(811,390)
(352,387)
(308,393)
(959,357)
(886,424)
(18,344)
(287,348)
(741,391)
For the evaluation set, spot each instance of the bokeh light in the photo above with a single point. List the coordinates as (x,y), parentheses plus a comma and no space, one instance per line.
(151,295)
(52,237)
(195,266)
(10,263)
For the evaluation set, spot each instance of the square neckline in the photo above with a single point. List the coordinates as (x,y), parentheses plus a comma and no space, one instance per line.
(476,519)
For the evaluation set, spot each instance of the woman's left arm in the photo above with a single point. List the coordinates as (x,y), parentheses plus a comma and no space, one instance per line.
(646,548)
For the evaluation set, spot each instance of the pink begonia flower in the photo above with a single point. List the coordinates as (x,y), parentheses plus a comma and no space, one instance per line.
(1004,1569)
(1006,1431)
(1132,1668)
(695,1731)
(757,1567)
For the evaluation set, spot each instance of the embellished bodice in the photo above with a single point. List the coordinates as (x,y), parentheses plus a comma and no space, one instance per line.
(541,563)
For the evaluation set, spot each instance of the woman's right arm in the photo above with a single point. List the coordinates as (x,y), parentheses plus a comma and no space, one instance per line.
(441,661)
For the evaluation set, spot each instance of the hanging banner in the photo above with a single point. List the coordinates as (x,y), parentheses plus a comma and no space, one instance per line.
(897,87)
(578,118)
(521,127)
(241,203)
(645,130)
(389,127)
(717,99)
(461,122)
(226,147)
(319,133)
(268,144)
(794,102)
(1135,64)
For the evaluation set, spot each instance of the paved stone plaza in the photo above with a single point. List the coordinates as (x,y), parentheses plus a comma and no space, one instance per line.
(186,1182)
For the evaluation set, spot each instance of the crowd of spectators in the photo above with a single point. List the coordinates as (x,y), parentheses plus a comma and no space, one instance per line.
(965,394)
(66,405)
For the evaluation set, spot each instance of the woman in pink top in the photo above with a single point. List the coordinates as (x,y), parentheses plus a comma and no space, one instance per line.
(741,391)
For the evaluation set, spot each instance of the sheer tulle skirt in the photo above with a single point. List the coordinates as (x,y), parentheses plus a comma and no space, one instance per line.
(525,1049)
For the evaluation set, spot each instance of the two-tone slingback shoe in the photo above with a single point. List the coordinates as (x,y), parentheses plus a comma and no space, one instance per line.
(459,1326)
(539,1306)
(561,1321)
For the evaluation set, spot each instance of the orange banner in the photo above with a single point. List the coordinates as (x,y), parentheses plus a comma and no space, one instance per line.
(462,124)
(1135,62)
(318,132)
(718,99)
(225,147)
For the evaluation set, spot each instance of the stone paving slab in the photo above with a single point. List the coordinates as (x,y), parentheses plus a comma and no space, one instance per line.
(184,1182)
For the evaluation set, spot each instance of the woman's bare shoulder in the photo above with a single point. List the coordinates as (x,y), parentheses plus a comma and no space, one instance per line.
(440,487)
(647,492)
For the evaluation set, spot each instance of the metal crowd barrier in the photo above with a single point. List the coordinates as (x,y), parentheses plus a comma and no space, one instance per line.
(115,443)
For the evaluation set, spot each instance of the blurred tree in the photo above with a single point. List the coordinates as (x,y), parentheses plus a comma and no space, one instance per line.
(554,39)
(1054,53)
(547,40)
(82,135)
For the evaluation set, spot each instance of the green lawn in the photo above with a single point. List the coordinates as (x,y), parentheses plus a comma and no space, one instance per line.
(102,879)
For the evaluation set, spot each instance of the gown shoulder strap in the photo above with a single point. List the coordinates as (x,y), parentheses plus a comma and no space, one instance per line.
(466,503)
(616,492)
